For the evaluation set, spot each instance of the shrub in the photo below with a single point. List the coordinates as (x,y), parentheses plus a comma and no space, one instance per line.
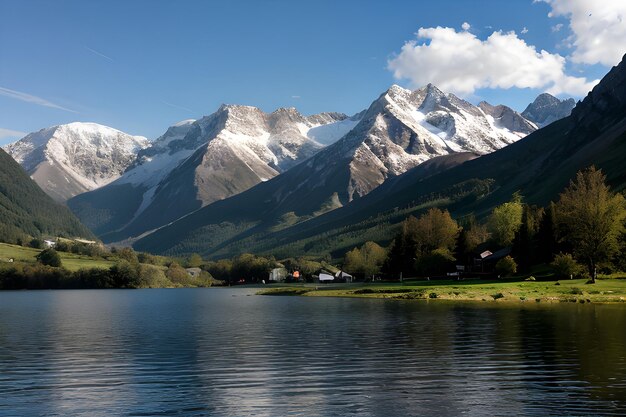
(497,296)
(49,257)
(177,274)
(124,275)
(36,243)
(436,262)
(62,246)
(151,276)
(127,254)
(432,295)
(506,266)
(565,266)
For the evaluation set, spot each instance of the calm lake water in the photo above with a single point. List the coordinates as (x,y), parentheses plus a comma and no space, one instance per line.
(226,352)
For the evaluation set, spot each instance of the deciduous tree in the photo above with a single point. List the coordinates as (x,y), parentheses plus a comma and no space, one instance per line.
(590,217)
(505,221)
(366,260)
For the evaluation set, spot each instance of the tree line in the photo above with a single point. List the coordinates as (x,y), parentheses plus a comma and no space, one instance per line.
(580,234)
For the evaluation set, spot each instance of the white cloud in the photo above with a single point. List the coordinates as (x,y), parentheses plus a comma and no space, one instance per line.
(524,30)
(10,134)
(459,62)
(28,98)
(557,27)
(466,26)
(598,29)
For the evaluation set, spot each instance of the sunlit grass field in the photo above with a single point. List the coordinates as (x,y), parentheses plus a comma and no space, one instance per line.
(70,261)
(577,290)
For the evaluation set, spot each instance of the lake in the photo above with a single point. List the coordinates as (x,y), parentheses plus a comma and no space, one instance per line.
(228,352)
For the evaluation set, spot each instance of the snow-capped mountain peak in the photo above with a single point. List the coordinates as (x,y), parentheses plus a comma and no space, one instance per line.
(199,162)
(69,159)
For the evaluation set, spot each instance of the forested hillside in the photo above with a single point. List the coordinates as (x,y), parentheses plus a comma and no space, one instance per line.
(26,211)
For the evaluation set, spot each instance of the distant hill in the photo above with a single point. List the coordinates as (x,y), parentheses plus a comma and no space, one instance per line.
(539,166)
(25,210)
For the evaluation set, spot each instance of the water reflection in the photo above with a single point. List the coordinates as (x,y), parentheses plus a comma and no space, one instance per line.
(225,352)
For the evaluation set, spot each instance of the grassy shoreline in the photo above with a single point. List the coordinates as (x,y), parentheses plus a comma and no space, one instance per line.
(574,291)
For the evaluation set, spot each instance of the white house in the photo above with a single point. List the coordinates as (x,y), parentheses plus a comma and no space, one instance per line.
(324,277)
(278,275)
(343,276)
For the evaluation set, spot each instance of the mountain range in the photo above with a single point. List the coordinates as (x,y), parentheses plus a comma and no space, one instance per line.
(198,162)
(325,161)
(278,170)
(539,166)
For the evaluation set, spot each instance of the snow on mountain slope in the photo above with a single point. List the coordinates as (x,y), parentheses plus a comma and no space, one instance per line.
(70,159)
(329,133)
(240,147)
(400,130)
(198,162)
(404,128)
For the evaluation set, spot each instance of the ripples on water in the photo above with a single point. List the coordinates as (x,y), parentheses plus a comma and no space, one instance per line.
(224,352)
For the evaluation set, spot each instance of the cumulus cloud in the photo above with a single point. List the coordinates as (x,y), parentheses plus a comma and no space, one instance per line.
(460,62)
(598,29)
(466,26)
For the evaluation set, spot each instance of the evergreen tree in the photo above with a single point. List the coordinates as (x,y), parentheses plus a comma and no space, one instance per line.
(546,241)
(525,239)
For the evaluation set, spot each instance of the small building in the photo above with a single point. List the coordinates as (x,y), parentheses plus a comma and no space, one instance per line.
(341,276)
(194,272)
(486,261)
(277,275)
(325,277)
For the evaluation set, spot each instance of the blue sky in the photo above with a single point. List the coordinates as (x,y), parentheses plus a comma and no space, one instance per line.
(141,66)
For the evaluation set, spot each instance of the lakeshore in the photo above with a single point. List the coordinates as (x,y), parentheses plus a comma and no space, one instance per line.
(574,291)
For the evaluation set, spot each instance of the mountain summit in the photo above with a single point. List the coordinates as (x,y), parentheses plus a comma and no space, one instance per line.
(196,163)
(70,159)
(547,109)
